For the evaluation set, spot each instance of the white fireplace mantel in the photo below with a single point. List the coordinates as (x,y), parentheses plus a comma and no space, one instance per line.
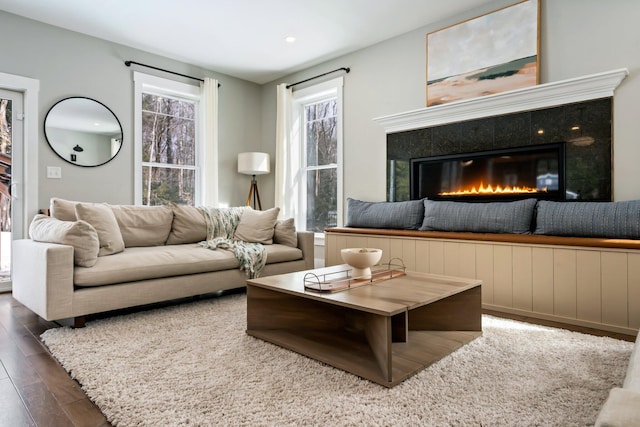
(546,95)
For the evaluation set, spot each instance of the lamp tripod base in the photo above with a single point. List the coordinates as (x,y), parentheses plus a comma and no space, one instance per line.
(253,193)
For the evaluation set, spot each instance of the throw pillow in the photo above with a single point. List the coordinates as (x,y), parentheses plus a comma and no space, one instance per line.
(143,225)
(101,217)
(79,234)
(285,233)
(257,226)
(400,215)
(617,220)
(64,210)
(188,226)
(488,217)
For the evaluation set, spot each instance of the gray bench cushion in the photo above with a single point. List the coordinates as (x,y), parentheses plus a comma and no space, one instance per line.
(494,217)
(397,215)
(619,220)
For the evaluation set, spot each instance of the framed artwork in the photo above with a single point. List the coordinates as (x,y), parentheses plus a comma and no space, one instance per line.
(489,54)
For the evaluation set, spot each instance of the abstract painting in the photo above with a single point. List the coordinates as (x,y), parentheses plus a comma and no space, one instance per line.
(489,54)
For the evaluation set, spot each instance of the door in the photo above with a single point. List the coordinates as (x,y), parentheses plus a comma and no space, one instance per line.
(10,143)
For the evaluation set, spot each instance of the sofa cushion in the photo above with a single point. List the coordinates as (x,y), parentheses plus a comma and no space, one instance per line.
(285,232)
(257,226)
(493,217)
(282,253)
(155,262)
(621,409)
(101,217)
(79,234)
(398,215)
(64,210)
(618,220)
(143,225)
(189,225)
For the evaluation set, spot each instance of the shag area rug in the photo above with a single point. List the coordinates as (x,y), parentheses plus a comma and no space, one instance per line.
(193,364)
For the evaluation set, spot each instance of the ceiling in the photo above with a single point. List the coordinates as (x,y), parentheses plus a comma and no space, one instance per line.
(243,38)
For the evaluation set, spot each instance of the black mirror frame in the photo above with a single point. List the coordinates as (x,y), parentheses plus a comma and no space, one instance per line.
(44,125)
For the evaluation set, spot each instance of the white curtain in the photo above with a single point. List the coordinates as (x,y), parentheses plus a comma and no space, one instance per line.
(209,115)
(286,154)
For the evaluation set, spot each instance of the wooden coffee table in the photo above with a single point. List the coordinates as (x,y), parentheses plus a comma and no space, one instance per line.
(385,331)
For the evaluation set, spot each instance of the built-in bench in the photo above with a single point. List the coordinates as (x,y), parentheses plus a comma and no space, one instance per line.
(587,281)
(574,262)
(533,239)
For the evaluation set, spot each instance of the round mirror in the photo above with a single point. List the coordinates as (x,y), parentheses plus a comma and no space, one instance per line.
(83,131)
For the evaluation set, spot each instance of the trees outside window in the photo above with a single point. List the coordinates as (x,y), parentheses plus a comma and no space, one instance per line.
(169,151)
(318,113)
(321,143)
(5,163)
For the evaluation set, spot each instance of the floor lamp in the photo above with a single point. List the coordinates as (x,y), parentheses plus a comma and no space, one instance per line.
(253,164)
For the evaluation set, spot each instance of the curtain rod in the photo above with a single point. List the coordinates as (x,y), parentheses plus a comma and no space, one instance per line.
(346,69)
(128,64)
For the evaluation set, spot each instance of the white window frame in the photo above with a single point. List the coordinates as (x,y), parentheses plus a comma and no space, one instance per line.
(309,95)
(145,83)
(25,174)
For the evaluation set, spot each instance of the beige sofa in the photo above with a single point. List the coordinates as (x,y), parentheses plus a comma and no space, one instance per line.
(622,408)
(74,264)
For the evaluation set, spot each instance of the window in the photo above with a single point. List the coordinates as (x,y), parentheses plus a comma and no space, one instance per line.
(318,113)
(168,145)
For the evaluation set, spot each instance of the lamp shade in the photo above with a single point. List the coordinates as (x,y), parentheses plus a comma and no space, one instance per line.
(253,163)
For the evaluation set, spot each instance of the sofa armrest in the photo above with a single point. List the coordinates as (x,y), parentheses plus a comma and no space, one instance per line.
(306,244)
(621,409)
(632,379)
(43,278)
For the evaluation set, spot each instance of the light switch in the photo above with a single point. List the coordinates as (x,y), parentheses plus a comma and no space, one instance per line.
(54,172)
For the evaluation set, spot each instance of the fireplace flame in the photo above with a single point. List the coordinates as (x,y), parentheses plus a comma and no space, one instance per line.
(490,190)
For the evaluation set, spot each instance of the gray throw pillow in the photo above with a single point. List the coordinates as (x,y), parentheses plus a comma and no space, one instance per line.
(589,219)
(398,215)
(493,217)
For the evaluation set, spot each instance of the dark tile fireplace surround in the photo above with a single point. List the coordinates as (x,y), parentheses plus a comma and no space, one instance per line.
(582,130)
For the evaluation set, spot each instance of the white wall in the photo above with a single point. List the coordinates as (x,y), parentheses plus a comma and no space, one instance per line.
(72,64)
(583,37)
(96,148)
(578,37)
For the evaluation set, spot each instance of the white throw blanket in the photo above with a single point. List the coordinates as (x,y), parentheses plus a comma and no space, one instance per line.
(221,228)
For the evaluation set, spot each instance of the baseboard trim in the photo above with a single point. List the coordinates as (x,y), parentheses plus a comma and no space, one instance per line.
(561,319)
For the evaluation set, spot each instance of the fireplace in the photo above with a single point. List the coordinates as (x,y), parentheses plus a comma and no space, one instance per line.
(505,174)
(582,131)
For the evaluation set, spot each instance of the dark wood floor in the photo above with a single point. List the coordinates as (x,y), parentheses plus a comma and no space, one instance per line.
(36,391)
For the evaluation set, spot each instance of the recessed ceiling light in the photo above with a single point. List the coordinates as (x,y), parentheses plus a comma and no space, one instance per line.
(290,39)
